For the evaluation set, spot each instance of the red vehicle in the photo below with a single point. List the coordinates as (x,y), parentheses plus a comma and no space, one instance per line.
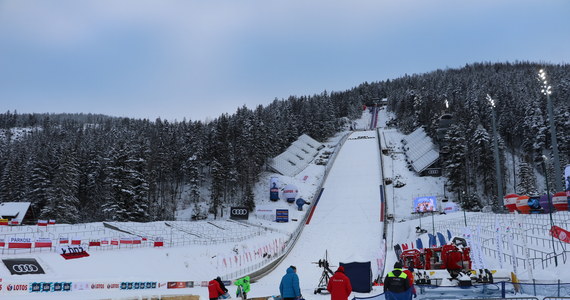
(452,257)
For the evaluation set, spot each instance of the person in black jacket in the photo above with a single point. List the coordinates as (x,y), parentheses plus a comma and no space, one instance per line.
(396,284)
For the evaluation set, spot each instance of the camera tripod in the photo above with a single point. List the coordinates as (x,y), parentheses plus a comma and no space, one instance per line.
(325,276)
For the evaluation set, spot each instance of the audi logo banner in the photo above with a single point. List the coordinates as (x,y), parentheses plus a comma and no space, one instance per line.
(23,266)
(239,213)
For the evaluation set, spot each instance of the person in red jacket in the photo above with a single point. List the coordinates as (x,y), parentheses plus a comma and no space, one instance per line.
(214,289)
(410,273)
(339,285)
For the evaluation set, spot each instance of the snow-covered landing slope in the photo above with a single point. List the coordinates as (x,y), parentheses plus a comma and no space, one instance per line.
(346,221)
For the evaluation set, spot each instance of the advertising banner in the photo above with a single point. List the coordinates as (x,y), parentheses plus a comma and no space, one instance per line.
(560,234)
(43,243)
(567,183)
(425,204)
(23,266)
(159,241)
(290,193)
(179,284)
(94,243)
(19,243)
(72,252)
(282,215)
(264,210)
(273,189)
(37,287)
(239,213)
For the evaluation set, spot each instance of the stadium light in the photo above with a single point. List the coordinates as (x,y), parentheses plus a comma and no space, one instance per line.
(542,160)
(546,89)
(497,161)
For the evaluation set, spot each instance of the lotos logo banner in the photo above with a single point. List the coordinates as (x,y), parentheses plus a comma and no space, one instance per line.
(17,287)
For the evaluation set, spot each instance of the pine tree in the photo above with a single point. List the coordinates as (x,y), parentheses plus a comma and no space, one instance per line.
(526,179)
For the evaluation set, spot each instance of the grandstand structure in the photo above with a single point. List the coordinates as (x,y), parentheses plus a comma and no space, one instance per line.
(296,157)
(421,153)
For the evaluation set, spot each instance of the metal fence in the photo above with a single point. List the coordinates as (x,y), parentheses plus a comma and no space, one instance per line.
(499,290)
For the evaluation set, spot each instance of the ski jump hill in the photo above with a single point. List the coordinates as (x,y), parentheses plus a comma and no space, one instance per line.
(346,222)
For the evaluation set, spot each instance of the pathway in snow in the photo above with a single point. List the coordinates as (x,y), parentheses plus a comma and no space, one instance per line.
(346,222)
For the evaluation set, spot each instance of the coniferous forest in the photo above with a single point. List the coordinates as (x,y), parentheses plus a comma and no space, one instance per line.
(85,167)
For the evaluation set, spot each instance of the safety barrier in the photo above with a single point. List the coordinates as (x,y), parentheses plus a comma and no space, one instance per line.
(510,298)
(499,290)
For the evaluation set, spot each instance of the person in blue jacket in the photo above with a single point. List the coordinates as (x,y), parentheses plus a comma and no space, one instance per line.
(289,286)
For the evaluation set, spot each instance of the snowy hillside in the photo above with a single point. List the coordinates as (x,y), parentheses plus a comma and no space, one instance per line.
(345,223)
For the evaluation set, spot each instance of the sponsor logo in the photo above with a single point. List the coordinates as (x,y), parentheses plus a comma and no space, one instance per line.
(113,286)
(17,287)
(37,287)
(20,240)
(138,285)
(25,268)
(97,286)
(239,211)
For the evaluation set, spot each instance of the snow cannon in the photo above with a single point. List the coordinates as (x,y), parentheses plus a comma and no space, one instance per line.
(560,201)
(522,205)
(290,193)
(510,201)
(544,203)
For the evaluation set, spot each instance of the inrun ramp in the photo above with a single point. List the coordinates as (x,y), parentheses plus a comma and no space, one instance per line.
(346,221)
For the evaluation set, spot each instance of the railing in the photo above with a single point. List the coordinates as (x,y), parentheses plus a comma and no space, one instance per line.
(535,231)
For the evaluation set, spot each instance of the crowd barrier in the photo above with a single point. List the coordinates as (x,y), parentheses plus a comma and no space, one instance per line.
(498,290)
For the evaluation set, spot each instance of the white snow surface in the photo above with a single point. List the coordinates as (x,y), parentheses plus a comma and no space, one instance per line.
(345,224)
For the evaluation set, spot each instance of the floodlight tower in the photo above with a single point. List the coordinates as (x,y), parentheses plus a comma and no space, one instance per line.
(547,90)
(497,160)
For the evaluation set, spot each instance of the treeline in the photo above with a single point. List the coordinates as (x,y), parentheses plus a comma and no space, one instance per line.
(82,168)
(521,114)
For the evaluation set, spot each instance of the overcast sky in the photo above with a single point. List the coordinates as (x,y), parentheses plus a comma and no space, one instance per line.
(199,59)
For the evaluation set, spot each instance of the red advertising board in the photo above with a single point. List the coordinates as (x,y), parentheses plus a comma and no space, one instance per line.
(43,243)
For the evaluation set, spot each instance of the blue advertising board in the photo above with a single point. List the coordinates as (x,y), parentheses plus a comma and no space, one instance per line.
(282,215)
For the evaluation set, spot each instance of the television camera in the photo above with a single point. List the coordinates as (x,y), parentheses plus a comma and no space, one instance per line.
(325,276)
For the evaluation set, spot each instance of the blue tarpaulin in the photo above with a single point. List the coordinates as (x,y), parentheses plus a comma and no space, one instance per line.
(360,275)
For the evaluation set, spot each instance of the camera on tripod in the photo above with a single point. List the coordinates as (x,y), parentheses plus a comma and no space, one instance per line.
(325,276)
